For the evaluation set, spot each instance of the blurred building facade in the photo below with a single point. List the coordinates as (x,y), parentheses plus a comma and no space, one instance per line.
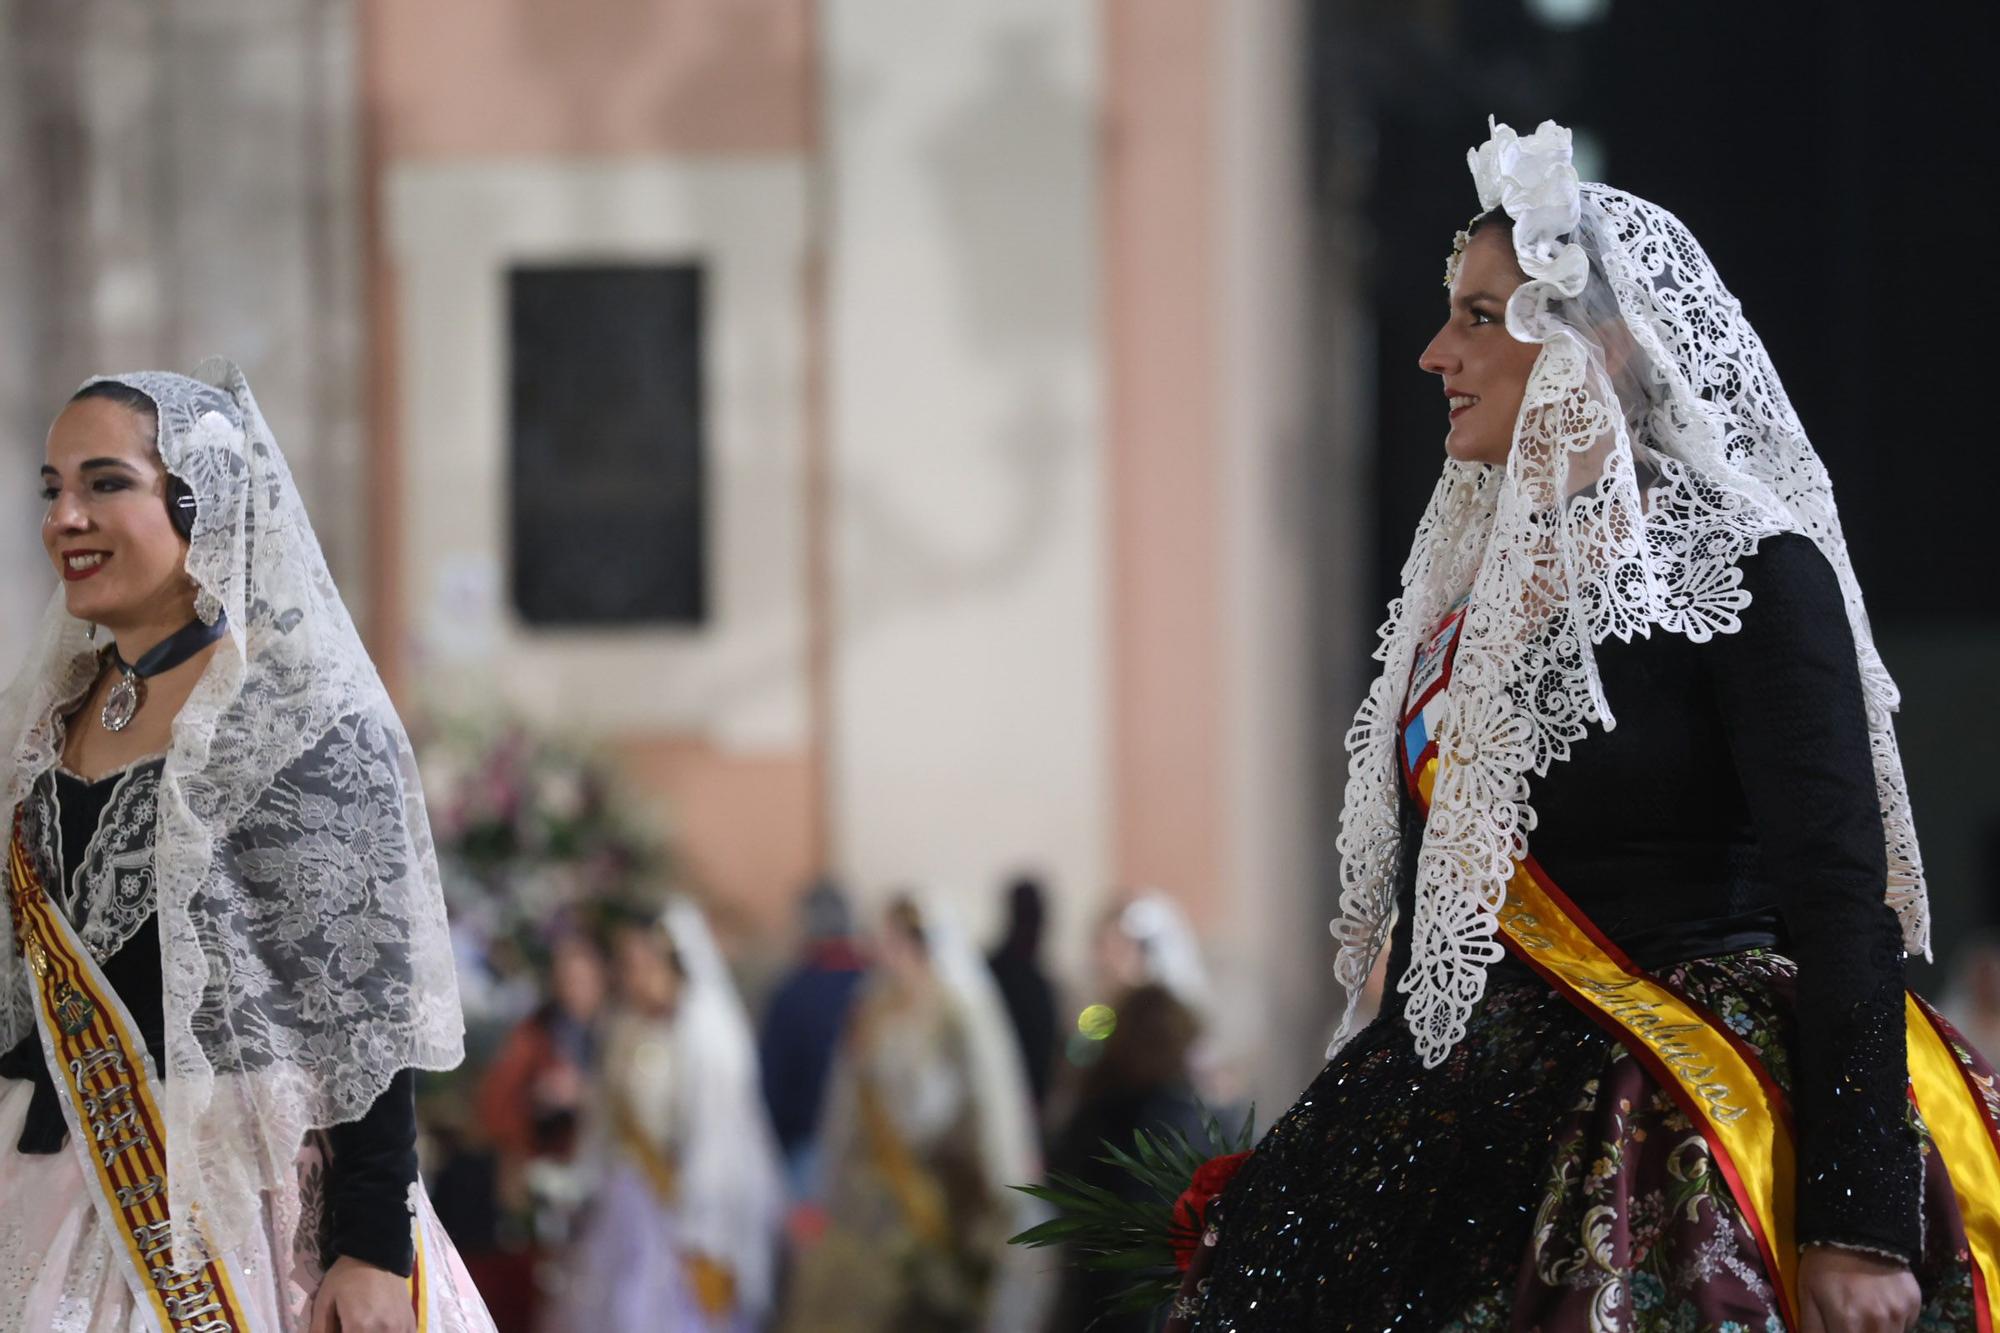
(1060,431)
(1003,403)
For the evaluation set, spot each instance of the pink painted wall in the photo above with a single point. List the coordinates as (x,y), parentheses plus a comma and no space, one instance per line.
(1163,465)
(739,823)
(590,77)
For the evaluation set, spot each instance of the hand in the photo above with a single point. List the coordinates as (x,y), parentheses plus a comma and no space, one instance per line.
(357,1297)
(1841,1291)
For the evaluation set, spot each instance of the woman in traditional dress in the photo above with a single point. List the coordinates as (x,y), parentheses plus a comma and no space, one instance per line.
(1648,1062)
(528,1106)
(1146,940)
(225,950)
(682,1234)
(928,1122)
(532,1092)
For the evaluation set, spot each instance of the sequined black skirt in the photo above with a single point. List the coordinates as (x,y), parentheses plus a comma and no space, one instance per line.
(1538,1179)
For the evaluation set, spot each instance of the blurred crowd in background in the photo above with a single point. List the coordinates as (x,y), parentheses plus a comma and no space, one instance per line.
(636,1136)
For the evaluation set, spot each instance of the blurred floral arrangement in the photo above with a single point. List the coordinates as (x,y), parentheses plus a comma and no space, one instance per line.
(533,837)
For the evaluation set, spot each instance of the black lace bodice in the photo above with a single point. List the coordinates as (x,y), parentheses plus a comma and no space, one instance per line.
(94,842)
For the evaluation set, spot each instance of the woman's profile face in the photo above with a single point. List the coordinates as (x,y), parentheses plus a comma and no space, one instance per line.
(1484,371)
(106,529)
(900,956)
(1121,962)
(647,978)
(576,978)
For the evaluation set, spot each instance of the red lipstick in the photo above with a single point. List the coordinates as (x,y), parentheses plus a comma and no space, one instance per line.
(72,574)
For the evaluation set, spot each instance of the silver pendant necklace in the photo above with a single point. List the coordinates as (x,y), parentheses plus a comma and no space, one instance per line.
(122,704)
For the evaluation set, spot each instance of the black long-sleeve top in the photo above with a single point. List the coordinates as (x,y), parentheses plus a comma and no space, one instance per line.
(374,1158)
(1735,803)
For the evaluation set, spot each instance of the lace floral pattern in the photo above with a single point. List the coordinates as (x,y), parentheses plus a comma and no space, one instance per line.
(113,893)
(312,1237)
(1654,450)
(303,938)
(42,837)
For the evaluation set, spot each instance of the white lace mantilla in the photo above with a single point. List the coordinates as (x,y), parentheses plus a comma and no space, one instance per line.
(1654,450)
(302,928)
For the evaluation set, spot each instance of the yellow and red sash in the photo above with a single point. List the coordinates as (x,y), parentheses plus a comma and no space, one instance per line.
(104,1073)
(1961,1108)
(657,1166)
(1718,1079)
(714,1285)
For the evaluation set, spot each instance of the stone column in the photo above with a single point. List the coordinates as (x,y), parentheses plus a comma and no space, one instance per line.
(183,182)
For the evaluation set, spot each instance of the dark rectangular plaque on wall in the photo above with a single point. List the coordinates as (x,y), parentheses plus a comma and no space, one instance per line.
(605,418)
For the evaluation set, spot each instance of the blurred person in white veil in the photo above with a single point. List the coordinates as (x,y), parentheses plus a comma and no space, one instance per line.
(225,954)
(682,1230)
(1147,939)
(929,1123)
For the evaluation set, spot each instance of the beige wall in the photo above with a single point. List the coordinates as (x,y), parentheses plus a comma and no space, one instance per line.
(965,435)
(501,130)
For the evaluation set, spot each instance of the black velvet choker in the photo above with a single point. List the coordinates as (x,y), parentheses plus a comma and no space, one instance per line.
(122,705)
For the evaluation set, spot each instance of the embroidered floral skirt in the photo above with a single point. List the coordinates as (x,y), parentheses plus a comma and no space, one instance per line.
(1540,1179)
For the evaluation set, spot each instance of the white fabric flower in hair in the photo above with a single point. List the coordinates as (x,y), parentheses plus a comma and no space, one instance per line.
(1528,175)
(1534,181)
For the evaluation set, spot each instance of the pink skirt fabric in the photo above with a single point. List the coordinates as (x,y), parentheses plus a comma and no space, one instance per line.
(60,1270)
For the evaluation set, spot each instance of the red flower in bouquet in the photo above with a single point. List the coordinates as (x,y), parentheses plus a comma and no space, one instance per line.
(1191,1209)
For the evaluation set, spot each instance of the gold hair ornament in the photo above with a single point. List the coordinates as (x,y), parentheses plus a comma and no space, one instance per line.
(1458,244)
